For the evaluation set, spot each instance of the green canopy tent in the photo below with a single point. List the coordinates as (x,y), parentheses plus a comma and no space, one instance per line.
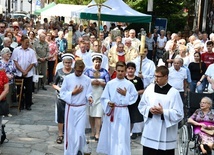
(38,12)
(119,12)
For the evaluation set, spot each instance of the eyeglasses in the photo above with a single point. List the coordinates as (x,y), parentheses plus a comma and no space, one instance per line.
(2,27)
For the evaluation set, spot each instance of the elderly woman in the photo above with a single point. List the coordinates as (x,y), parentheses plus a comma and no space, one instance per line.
(6,43)
(67,60)
(8,65)
(203,118)
(99,77)
(4,88)
(183,54)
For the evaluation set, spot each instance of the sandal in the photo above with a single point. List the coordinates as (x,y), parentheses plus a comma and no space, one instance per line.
(59,139)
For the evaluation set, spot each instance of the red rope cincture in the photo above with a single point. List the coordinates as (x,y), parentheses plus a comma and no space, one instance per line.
(111,113)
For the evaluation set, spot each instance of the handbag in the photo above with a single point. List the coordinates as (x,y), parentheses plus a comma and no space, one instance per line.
(35,78)
(207,131)
(4,108)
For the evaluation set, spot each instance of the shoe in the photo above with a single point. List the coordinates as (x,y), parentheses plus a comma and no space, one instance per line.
(59,139)
(9,115)
(134,136)
(43,88)
(79,153)
(28,108)
(96,139)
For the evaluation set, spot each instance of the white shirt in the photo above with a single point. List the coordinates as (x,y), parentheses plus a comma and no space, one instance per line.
(161,41)
(24,57)
(148,70)
(176,78)
(210,72)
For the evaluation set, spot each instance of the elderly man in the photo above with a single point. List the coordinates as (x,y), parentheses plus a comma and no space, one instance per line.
(119,55)
(178,77)
(42,49)
(24,59)
(130,50)
(135,42)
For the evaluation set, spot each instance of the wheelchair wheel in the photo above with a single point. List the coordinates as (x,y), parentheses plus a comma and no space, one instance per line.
(183,141)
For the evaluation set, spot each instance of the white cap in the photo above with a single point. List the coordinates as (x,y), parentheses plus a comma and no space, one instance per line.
(68,56)
(96,55)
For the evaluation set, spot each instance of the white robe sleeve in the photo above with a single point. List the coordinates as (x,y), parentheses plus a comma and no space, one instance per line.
(175,114)
(65,93)
(89,90)
(105,98)
(144,106)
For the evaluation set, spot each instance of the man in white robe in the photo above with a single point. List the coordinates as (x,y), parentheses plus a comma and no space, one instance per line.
(76,92)
(162,108)
(147,68)
(115,133)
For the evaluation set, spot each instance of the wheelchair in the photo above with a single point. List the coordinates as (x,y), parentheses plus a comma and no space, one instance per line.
(187,140)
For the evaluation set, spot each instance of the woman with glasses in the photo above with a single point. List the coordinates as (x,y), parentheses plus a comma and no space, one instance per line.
(203,118)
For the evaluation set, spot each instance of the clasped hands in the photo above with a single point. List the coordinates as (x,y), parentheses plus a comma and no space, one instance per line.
(97,82)
(157,109)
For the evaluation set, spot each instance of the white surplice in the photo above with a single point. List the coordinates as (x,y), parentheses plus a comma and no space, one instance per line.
(161,134)
(75,112)
(115,136)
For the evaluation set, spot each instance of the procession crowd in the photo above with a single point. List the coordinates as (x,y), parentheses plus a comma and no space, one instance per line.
(105,80)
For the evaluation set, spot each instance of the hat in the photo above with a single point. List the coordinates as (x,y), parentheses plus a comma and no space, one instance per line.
(96,55)
(68,56)
(5,50)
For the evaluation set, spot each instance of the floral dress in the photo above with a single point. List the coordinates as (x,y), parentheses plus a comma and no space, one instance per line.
(207,119)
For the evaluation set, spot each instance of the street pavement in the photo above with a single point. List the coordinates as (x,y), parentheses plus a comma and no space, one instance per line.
(35,132)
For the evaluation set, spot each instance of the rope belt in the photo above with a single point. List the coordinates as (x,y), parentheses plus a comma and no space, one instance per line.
(111,113)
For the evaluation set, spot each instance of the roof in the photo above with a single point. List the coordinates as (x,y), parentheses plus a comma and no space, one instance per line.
(119,12)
